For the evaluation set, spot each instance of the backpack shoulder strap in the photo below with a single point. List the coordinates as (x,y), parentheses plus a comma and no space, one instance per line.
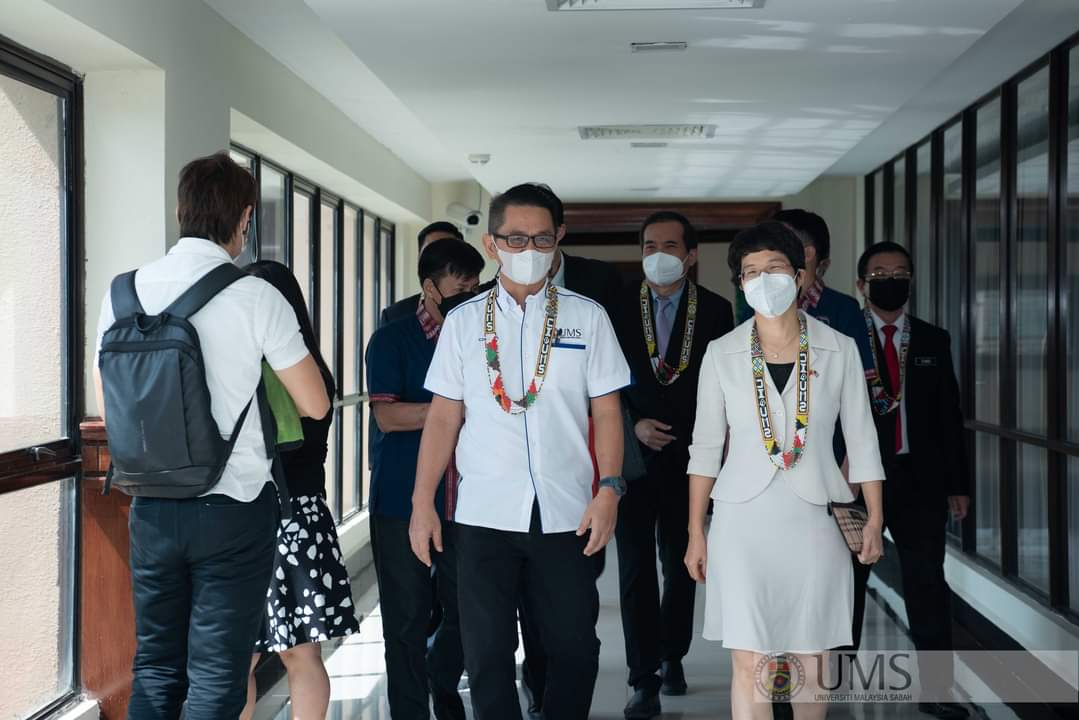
(194,298)
(125,301)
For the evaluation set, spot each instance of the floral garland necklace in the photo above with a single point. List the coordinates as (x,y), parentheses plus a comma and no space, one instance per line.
(494,365)
(665,374)
(782,460)
(881,400)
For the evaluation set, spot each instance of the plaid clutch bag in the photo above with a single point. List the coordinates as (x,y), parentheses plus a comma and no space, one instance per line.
(851,519)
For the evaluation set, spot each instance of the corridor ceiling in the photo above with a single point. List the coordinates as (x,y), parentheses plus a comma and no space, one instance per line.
(791,87)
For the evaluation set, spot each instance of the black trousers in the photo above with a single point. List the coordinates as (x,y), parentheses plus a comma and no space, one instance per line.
(534,666)
(200,569)
(558,585)
(405,595)
(655,511)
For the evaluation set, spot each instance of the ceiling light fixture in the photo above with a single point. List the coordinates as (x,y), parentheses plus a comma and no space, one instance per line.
(646,145)
(646,132)
(479,158)
(587,5)
(645,47)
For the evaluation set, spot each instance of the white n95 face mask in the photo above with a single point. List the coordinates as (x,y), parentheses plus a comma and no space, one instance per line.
(771,294)
(663,269)
(527,267)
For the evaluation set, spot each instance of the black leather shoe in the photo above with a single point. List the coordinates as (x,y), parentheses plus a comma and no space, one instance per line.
(644,705)
(946,711)
(674,678)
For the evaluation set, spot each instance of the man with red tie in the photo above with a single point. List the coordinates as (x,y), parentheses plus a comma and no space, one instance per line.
(915,399)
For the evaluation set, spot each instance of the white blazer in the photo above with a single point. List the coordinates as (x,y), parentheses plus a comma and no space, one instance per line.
(726,399)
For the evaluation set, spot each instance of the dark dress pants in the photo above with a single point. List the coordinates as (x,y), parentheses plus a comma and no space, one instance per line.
(405,595)
(534,666)
(200,569)
(917,521)
(655,511)
(558,585)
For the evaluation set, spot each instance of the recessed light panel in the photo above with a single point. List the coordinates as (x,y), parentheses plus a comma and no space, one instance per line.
(646,132)
(558,5)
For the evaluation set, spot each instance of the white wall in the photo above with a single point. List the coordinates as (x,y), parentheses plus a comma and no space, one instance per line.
(170,80)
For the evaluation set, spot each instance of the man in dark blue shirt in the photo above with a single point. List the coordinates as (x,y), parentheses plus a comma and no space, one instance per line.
(398,357)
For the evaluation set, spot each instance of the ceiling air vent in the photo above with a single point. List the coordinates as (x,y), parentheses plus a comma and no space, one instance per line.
(556,5)
(646,132)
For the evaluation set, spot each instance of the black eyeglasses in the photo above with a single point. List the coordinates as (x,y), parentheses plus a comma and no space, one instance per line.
(519,242)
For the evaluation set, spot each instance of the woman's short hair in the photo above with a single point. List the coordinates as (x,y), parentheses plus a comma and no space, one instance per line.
(771,235)
(449,256)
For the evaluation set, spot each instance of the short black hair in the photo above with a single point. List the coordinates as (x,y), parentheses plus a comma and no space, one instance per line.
(438,226)
(525,195)
(879,249)
(812,225)
(770,235)
(689,233)
(449,256)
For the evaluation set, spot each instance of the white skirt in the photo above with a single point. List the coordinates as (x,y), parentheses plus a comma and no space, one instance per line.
(779,576)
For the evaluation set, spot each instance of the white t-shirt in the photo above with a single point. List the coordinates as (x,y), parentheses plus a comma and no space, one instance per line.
(243,323)
(506,461)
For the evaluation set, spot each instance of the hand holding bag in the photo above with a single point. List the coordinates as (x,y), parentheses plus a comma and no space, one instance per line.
(851,519)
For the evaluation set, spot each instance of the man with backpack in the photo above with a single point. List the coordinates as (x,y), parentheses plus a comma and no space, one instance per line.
(180,347)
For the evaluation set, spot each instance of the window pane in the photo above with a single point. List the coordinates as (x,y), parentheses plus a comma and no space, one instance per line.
(327,331)
(1073,531)
(1034,515)
(386,267)
(1032,254)
(32,233)
(1070,308)
(370,323)
(899,202)
(878,206)
(952,244)
(272,215)
(987,280)
(924,285)
(987,496)
(301,242)
(37,632)
(243,160)
(350,350)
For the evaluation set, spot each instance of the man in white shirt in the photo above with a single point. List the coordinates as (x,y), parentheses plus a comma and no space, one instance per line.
(525,362)
(200,567)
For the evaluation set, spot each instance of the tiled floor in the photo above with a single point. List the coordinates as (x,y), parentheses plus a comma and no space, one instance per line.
(359,690)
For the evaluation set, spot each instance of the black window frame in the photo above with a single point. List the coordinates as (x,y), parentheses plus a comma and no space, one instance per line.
(1055,442)
(384,236)
(60,459)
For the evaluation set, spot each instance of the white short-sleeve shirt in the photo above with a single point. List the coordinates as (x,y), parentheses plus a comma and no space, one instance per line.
(508,461)
(243,323)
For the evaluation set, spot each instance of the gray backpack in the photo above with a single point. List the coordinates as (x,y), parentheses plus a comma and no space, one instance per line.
(163,439)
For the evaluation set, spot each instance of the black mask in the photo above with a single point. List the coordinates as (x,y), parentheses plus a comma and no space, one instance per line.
(452,301)
(889,294)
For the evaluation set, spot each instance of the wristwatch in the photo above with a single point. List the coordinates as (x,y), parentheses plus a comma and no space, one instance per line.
(615,483)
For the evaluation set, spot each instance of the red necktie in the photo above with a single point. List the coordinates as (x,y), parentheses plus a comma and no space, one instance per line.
(891,358)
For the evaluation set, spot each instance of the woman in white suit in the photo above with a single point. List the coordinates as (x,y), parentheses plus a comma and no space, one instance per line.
(778,570)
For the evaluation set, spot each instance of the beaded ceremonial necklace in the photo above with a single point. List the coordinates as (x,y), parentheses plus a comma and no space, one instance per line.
(881,400)
(665,374)
(782,460)
(494,365)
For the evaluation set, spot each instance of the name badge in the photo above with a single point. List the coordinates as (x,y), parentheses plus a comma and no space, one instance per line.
(570,345)
(925,362)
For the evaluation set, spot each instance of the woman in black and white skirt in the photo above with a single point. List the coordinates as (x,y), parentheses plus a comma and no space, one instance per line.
(310,598)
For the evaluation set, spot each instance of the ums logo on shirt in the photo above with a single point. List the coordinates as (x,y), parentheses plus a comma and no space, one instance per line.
(570,338)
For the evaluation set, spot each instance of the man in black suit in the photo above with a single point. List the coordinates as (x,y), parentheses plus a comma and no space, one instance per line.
(664,326)
(601,282)
(407,307)
(915,398)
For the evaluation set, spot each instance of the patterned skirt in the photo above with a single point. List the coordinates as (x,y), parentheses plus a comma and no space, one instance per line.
(310,597)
